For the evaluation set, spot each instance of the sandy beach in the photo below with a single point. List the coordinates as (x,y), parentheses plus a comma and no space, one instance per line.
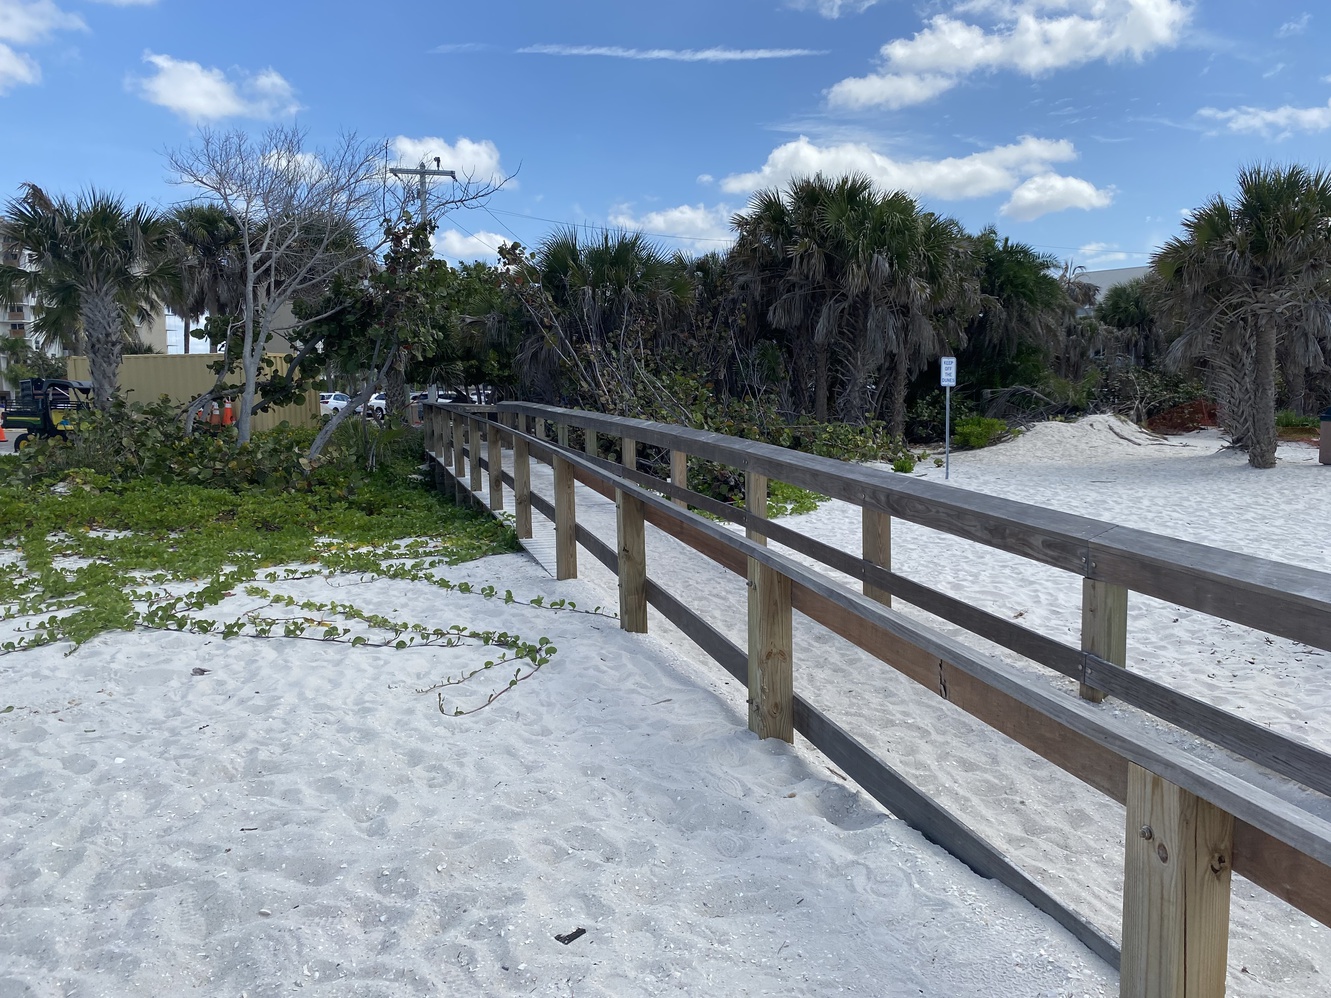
(300,818)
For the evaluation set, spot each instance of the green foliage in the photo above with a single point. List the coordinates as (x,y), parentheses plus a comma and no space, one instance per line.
(24,361)
(1139,393)
(905,464)
(1289,418)
(978,431)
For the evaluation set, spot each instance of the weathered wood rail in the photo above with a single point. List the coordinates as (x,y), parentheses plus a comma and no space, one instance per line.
(1189,823)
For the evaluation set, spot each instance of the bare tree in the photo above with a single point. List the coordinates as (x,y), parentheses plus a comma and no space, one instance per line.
(301,218)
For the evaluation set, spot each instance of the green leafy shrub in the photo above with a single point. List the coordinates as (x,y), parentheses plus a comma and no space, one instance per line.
(1289,418)
(978,431)
(905,464)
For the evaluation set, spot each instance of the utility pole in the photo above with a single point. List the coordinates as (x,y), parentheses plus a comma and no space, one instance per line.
(420,173)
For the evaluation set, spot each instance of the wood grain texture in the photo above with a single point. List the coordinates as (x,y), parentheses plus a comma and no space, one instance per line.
(1104,628)
(495,462)
(679,473)
(521,486)
(632,563)
(474,452)
(628,453)
(876,546)
(459,459)
(566,522)
(589,443)
(1179,858)
(771,682)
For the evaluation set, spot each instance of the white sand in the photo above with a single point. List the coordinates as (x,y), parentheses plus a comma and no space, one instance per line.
(400,851)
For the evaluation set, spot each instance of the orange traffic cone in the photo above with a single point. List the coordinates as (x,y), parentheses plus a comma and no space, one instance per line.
(215,415)
(2,430)
(228,417)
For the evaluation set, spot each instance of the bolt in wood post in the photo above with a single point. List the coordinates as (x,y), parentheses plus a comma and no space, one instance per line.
(589,443)
(771,682)
(459,458)
(1104,627)
(494,456)
(877,548)
(474,452)
(566,522)
(1175,892)
(632,563)
(679,474)
(628,453)
(521,482)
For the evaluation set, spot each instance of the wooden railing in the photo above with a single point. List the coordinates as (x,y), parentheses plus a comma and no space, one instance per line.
(1189,823)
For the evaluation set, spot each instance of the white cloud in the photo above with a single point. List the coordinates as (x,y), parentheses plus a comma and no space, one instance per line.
(1280,122)
(204,93)
(1032,37)
(699,226)
(1024,168)
(478,161)
(990,171)
(461,247)
(676,55)
(832,8)
(23,23)
(706,178)
(17,69)
(1099,254)
(1295,27)
(1049,192)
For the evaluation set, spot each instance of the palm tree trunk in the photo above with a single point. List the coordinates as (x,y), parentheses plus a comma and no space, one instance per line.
(1262,445)
(101,326)
(820,383)
(899,387)
(185,319)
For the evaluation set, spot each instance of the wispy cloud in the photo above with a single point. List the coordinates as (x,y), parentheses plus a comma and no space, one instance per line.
(832,9)
(461,48)
(1278,122)
(1295,27)
(673,55)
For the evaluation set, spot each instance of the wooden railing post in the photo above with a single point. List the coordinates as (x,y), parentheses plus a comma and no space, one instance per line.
(1104,627)
(589,443)
(561,434)
(679,474)
(566,522)
(540,434)
(1176,888)
(632,563)
(876,545)
(459,458)
(446,437)
(474,451)
(628,453)
(771,681)
(521,480)
(494,457)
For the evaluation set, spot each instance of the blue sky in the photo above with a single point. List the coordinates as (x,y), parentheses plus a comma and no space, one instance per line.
(1083,127)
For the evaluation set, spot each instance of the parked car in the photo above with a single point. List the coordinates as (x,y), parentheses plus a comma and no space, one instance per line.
(331,402)
(377,406)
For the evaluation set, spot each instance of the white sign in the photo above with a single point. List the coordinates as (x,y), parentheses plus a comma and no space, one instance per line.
(948,371)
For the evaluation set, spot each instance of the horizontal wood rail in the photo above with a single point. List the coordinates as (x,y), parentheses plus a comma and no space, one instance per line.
(1216,820)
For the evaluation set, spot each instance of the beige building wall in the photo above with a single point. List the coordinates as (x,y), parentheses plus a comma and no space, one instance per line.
(183,378)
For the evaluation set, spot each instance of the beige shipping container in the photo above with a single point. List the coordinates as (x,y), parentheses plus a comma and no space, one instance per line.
(184,377)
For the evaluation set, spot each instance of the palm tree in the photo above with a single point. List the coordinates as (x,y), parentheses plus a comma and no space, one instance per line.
(1240,281)
(94,264)
(205,241)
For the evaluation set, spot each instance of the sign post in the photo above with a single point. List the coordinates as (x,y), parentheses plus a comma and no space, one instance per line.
(947,367)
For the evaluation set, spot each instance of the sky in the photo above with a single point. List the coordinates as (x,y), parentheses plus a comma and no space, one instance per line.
(1085,128)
